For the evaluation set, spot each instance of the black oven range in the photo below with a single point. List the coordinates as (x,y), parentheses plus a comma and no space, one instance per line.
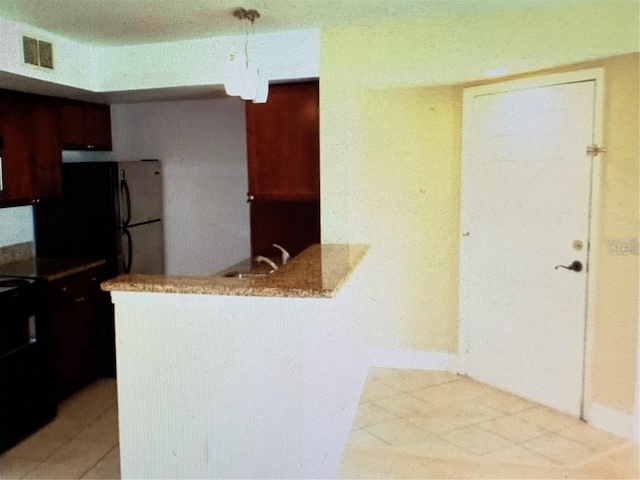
(27,397)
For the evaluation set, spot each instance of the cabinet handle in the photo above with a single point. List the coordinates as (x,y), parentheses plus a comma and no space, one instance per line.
(250,198)
(63,289)
(91,146)
(1,176)
(79,299)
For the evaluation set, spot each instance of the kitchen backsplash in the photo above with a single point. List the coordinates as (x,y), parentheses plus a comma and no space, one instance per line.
(14,253)
(16,225)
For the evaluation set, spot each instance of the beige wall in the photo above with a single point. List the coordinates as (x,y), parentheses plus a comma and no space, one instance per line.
(616,307)
(390,163)
(403,200)
(410,143)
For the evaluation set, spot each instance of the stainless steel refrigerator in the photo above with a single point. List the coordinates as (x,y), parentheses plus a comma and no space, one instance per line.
(108,210)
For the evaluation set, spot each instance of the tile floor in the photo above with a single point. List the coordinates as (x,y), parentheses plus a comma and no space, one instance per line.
(409,424)
(81,442)
(423,424)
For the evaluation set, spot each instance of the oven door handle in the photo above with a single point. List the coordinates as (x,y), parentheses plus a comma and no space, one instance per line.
(17,350)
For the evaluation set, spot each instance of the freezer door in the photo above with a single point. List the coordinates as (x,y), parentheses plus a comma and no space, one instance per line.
(143,249)
(140,192)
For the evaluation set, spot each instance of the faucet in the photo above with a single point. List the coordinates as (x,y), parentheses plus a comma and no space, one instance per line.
(271,263)
(285,254)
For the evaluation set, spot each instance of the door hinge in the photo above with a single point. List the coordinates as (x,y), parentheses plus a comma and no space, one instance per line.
(595,150)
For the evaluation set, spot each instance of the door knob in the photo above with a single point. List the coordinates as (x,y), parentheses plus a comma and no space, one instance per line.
(576,266)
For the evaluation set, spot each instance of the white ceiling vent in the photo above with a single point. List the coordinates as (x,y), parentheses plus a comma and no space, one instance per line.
(37,52)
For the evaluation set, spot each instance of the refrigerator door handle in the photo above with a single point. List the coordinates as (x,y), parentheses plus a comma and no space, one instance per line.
(124,188)
(129,255)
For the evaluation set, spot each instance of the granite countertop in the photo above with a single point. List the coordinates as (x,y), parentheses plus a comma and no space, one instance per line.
(318,272)
(47,268)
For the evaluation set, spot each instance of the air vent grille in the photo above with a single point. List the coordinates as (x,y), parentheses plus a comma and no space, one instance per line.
(37,52)
(45,54)
(30,48)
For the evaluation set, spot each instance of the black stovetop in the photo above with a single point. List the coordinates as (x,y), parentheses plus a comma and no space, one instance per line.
(8,284)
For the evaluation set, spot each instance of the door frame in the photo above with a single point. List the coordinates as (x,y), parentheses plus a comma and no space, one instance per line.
(596,74)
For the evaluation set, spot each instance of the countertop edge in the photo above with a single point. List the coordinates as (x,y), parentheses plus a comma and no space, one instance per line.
(305,276)
(78,269)
(48,269)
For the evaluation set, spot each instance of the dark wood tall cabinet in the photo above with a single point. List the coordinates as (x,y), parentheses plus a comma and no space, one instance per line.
(283,150)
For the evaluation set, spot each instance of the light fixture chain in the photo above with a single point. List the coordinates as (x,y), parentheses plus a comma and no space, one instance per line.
(248,83)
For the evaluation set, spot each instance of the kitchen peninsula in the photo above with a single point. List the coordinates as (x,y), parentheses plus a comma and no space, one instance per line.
(240,378)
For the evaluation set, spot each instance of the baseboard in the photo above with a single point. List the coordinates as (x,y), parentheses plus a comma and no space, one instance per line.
(612,420)
(413,359)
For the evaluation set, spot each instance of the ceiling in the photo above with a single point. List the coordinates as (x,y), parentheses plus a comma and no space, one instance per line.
(130,22)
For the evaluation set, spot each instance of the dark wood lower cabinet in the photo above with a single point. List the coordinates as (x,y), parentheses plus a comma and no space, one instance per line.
(76,328)
(293,225)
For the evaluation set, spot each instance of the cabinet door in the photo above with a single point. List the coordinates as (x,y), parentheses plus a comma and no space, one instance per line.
(46,152)
(283,144)
(16,176)
(31,155)
(72,126)
(76,331)
(85,126)
(98,121)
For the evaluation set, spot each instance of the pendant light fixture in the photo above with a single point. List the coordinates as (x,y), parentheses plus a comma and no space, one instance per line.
(242,77)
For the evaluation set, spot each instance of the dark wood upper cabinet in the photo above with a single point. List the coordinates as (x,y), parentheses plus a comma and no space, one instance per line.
(85,126)
(46,172)
(283,144)
(31,153)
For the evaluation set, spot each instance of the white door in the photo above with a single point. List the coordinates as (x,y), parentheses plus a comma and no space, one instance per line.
(525,210)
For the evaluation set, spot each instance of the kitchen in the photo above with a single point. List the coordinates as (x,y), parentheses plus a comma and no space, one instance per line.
(350,213)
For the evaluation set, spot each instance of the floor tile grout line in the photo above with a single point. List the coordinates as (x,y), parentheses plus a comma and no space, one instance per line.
(541,454)
(428,386)
(68,441)
(99,460)
(521,443)
(600,454)
(619,440)
(547,433)
(376,436)
(470,425)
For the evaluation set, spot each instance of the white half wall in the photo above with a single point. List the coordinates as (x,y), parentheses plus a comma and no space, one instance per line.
(251,387)
(202,146)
